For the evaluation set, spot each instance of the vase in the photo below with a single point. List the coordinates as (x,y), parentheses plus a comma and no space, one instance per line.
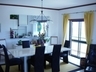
(40,42)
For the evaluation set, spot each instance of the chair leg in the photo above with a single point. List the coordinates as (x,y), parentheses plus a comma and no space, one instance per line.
(1,70)
(7,68)
(19,68)
(45,64)
(54,68)
(28,66)
(22,67)
(65,59)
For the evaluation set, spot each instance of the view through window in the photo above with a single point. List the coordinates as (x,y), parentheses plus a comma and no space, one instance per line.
(77,38)
(41,27)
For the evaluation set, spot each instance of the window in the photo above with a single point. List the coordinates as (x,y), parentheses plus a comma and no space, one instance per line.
(77,37)
(41,27)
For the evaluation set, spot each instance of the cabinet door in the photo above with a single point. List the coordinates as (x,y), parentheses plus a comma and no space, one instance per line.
(22,20)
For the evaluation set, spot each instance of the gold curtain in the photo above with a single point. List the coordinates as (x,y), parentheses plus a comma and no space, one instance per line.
(65,22)
(89,19)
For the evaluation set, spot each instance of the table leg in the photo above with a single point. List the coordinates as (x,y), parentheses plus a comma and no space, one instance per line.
(25,64)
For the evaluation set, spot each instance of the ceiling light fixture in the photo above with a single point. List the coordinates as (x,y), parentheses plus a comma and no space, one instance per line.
(41,17)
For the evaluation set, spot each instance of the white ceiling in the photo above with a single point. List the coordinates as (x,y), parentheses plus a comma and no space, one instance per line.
(49,3)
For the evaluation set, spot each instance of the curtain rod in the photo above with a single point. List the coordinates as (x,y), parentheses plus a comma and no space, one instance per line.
(79,12)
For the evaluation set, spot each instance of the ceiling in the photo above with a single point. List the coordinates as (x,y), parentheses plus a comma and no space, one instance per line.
(57,4)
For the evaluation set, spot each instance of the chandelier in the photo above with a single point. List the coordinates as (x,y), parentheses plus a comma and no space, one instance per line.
(41,17)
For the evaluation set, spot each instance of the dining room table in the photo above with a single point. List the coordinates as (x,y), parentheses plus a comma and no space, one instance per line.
(18,51)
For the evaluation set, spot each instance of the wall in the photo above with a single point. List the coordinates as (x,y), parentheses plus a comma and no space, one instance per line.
(55,27)
(76,16)
(6,23)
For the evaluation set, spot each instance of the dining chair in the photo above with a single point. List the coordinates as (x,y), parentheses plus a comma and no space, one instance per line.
(11,62)
(90,64)
(37,60)
(64,54)
(54,58)
(26,44)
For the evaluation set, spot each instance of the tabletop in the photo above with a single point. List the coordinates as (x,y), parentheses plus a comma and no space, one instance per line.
(21,52)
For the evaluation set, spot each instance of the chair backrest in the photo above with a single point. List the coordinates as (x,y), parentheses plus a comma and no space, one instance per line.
(40,42)
(67,44)
(39,59)
(26,44)
(0,46)
(6,54)
(92,54)
(56,57)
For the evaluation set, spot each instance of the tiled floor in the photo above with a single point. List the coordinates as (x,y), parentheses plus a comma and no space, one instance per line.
(75,61)
(80,71)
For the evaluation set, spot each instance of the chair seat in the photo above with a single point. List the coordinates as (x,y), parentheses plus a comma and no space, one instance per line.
(91,65)
(48,58)
(15,61)
(64,53)
(90,69)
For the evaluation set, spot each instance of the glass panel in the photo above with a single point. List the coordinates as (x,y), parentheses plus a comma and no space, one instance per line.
(22,30)
(35,32)
(43,26)
(78,34)
(74,48)
(75,30)
(82,54)
(74,53)
(83,47)
(83,31)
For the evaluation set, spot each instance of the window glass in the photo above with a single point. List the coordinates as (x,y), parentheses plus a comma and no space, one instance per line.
(77,38)
(75,30)
(41,27)
(83,31)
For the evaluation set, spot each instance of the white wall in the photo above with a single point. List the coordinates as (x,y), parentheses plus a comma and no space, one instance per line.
(77,16)
(55,27)
(6,23)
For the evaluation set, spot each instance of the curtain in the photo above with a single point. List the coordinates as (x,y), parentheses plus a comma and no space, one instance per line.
(65,22)
(89,19)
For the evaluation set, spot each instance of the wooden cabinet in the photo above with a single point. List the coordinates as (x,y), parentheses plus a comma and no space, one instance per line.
(23,20)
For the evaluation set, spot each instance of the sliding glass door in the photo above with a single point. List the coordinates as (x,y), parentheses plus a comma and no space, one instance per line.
(77,38)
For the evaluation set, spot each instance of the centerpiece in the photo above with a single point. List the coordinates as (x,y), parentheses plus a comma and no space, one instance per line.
(41,40)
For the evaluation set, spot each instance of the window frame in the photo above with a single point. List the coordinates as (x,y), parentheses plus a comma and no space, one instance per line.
(70,35)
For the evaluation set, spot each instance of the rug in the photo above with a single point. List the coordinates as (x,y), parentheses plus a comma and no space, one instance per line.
(63,68)
(77,70)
